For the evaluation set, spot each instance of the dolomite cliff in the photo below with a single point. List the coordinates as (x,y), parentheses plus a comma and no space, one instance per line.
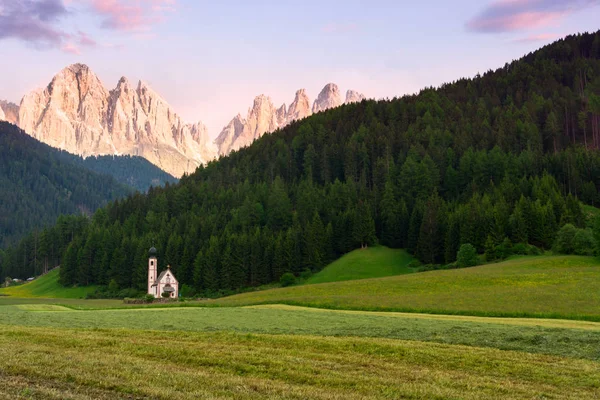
(76,113)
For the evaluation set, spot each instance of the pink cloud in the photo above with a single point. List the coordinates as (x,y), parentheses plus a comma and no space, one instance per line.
(84,40)
(132,15)
(516,15)
(71,48)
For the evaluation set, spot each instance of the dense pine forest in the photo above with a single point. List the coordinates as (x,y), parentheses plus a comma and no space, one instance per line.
(133,171)
(503,160)
(39,183)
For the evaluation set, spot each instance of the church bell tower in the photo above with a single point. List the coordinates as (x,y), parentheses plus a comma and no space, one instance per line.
(152,272)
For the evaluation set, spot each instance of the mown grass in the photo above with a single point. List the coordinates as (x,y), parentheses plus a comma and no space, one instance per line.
(544,286)
(372,262)
(576,339)
(51,363)
(47,286)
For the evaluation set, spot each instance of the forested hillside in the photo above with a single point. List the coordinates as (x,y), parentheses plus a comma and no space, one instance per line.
(498,160)
(136,172)
(39,183)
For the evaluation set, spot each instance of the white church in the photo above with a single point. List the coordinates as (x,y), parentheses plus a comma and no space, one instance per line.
(165,282)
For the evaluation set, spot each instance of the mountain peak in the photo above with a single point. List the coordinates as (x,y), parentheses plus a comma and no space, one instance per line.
(328,98)
(78,68)
(300,107)
(352,96)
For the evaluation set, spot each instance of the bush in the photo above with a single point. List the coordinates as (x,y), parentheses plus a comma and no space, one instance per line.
(304,275)
(130,292)
(165,295)
(113,286)
(414,264)
(187,291)
(148,298)
(583,242)
(565,240)
(505,249)
(467,256)
(287,279)
(571,240)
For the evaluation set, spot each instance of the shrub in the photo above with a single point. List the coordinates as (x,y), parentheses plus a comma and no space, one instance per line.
(304,275)
(583,242)
(148,298)
(187,291)
(467,256)
(287,279)
(505,249)
(521,249)
(415,264)
(565,239)
(113,286)
(165,295)
(129,292)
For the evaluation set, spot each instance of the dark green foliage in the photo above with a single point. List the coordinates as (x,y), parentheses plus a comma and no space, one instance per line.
(133,171)
(39,183)
(287,279)
(565,240)
(467,256)
(572,240)
(479,161)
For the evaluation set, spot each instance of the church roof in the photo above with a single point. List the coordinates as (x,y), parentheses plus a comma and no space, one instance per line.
(152,252)
(162,274)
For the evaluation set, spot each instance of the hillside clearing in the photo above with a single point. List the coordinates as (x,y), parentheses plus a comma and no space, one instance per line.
(372,262)
(47,286)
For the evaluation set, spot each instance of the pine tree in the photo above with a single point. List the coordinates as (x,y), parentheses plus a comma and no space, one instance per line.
(389,217)
(364,226)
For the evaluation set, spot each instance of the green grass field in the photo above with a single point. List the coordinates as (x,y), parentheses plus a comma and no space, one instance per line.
(373,262)
(553,337)
(47,286)
(52,363)
(544,286)
(71,348)
(291,353)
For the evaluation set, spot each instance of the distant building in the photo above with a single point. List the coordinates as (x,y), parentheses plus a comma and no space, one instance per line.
(165,282)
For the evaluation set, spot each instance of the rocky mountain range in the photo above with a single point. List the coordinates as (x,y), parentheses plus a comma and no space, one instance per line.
(9,112)
(76,113)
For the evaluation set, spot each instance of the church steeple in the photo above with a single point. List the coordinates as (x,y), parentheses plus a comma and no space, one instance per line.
(152,272)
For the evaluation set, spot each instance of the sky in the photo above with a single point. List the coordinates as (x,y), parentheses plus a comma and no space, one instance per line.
(209,59)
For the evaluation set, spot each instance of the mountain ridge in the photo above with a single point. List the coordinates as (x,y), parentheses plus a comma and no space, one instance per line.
(77,113)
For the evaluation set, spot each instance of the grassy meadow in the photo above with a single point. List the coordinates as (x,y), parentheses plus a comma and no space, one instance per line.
(372,262)
(553,337)
(47,286)
(544,286)
(248,347)
(53,363)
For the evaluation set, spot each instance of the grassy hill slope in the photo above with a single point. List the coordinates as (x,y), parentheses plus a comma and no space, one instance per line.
(549,286)
(373,262)
(47,286)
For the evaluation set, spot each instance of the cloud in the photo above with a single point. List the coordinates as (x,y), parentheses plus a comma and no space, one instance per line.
(515,15)
(131,15)
(37,22)
(71,48)
(32,21)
